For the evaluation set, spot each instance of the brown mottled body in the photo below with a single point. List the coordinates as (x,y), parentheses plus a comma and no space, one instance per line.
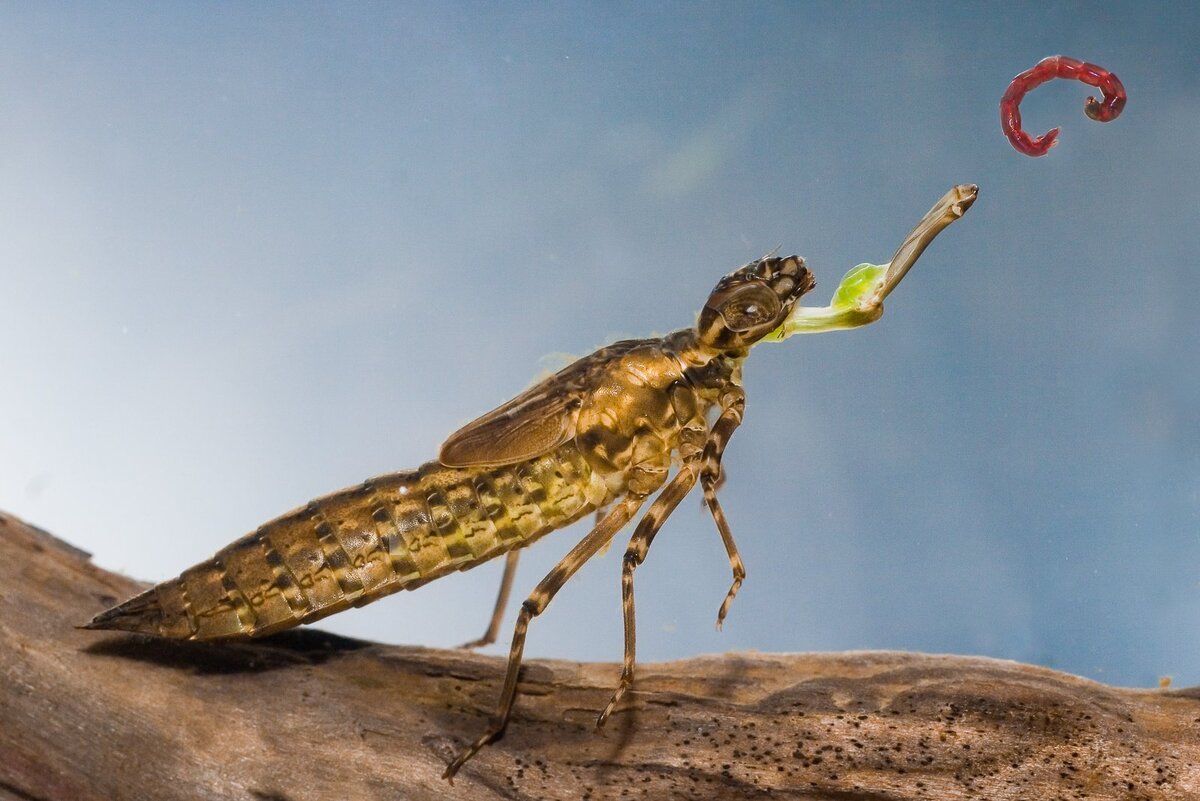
(601,435)
(402,530)
(395,532)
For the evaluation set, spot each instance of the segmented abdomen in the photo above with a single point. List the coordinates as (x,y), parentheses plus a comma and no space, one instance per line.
(390,533)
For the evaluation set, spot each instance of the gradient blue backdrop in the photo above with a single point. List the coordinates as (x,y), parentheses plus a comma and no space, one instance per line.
(251,254)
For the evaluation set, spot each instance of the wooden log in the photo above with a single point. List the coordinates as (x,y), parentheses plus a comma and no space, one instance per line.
(309,715)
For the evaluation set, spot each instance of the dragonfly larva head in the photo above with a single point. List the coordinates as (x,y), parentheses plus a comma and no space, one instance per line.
(752,301)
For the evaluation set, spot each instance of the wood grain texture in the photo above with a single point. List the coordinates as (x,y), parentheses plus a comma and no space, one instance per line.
(307,715)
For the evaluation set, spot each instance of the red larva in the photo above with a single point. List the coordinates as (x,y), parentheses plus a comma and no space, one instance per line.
(1048,69)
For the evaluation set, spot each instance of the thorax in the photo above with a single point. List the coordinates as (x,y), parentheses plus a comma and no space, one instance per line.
(645,401)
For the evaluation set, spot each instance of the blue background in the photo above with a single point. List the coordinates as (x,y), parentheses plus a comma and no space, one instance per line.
(252,254)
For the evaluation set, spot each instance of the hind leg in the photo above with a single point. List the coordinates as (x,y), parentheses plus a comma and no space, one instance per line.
(510,572)
(533,606)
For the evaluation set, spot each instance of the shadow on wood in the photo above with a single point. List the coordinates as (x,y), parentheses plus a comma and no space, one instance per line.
(307,715)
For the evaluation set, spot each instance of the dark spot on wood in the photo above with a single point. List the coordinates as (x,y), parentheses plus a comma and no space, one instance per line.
(268,795)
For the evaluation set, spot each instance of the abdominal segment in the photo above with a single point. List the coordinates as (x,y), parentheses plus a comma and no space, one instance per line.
(390,533)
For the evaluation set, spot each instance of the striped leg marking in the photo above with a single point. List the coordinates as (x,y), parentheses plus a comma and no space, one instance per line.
(534,605)
(635,554)
(733,406)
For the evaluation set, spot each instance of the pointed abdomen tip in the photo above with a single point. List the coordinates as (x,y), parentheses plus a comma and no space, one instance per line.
(140,613)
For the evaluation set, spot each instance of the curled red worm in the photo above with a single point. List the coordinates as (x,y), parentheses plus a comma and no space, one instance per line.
(1048,69)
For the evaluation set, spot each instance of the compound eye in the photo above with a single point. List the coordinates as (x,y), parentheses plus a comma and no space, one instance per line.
(750,307)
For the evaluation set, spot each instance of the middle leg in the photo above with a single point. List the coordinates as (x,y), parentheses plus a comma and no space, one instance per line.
(635,554)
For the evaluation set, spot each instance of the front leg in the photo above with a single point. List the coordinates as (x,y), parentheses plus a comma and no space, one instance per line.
(733,405)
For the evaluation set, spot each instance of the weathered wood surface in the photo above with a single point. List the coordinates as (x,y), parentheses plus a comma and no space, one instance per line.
(308,715)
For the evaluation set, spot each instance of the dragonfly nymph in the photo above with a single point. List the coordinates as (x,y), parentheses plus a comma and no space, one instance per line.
(601,436)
